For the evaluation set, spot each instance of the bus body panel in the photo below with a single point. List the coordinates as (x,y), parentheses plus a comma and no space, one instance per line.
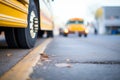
(76,27)
(45,16)
(13,13)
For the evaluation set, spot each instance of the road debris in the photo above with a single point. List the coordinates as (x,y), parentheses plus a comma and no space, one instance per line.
(39,63)
(67,60)
(9,54)
(44,57)
(63,65)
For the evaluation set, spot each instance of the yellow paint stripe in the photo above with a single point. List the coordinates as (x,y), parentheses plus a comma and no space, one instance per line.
(23,69)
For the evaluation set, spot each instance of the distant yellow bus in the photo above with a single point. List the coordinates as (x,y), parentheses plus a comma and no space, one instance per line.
(25,20)
(74,25)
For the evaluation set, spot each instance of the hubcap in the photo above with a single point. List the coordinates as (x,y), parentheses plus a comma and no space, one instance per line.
(32,24)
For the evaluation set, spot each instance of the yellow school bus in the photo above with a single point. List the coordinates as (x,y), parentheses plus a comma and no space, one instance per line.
(25,20)
(74,25)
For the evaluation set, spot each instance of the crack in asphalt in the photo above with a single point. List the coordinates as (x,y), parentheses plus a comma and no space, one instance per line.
(95,62)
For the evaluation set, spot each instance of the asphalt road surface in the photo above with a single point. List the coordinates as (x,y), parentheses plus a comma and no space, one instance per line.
(96,57)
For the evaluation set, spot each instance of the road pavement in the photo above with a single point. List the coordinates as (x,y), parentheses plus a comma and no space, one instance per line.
(80,58)
(96,57)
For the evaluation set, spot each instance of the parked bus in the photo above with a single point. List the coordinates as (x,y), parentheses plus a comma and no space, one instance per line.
(74,25)
(25,20)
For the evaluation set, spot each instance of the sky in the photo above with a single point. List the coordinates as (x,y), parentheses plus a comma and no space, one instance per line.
(65,9)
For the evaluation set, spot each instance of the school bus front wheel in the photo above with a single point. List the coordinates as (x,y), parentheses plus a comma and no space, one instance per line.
(24,37)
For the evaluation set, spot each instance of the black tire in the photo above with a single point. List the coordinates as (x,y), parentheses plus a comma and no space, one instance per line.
(85,35)
(65,35)
(26,37)
(79,34)
(11,38)
(49,34)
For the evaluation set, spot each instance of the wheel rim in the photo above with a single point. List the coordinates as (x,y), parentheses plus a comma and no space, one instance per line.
(32,32)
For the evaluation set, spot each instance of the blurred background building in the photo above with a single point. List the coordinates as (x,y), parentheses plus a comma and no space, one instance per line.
(108,20)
